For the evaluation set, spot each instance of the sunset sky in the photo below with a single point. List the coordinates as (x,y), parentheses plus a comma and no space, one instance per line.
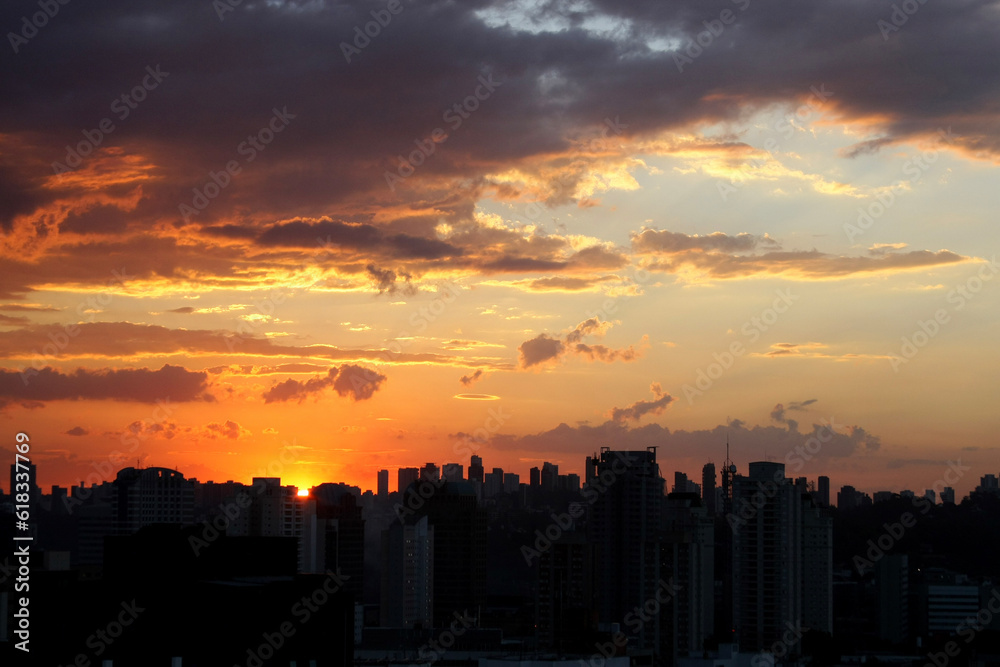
(241,233)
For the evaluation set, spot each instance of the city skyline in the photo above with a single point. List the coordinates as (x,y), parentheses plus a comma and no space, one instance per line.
(522,230)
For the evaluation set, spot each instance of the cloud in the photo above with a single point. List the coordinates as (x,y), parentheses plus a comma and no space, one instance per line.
(747,443)
(469,380)
(544,348)
(778,413)
(78,430)
(357,382)
(184,310)
(386,283)
(639,409)
(715,256)
(230,430)
(140,385)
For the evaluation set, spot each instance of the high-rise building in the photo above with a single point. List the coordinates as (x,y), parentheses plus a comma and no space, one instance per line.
(782,559)
(493,486)
(708,496)
(534,477)
(453,472)
(511,482)
(383,484)
(948,496)
(893,591)
(625,530)
(564,604)
(459,551)
(405,477)
(277,511)
(823,491)
(334,535)
(147,496)
(550,473)
(430,472)
(407,591)
(687,556)
(476,471)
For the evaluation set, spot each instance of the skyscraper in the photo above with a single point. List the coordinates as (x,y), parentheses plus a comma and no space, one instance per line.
(383,484)
(782,559)
(708,488)
(625,527)
(823,491)
(452,472)
(148,496)
(476,470)
(430,472)
(405,477)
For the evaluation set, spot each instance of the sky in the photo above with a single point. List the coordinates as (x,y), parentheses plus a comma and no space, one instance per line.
(321,239)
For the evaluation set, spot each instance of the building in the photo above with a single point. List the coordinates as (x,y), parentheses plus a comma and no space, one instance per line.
(947,496)
(453,472)
(493,486)
(782,559)
(405,477)
(534,477)
(892,584)
(430,472)
(511,482)
(687,556)
(476,471)
(407,591)
(383,484)
(148,496)
(823,491)
(708,495)
(564,602)
(625,530)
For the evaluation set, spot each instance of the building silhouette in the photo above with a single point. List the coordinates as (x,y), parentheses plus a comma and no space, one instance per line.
(147,496)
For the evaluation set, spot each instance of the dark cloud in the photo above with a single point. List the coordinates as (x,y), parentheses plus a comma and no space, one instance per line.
(544,348)
(78,430)
(386,281)
(183,310)
(778,413)
(469,380)
(357,382)
(639,409)
(747,443)
(230,429)
(170,383)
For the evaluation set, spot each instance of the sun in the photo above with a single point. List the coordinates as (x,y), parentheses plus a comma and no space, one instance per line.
(303,492)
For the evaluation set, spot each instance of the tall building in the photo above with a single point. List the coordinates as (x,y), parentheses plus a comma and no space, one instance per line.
(948,496)
(625,530)
(453,472)
(459,551)
(550,473)
(334,534)
(383,484)
(407,591)
(511,482)
(687,562)
(278,511)
(476,471)
(534,477)
(147,496)
(405,477)
(892,586)
(430,472)
(493,486)
(564,603)
(708,496)
(782,559)
(823,491)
